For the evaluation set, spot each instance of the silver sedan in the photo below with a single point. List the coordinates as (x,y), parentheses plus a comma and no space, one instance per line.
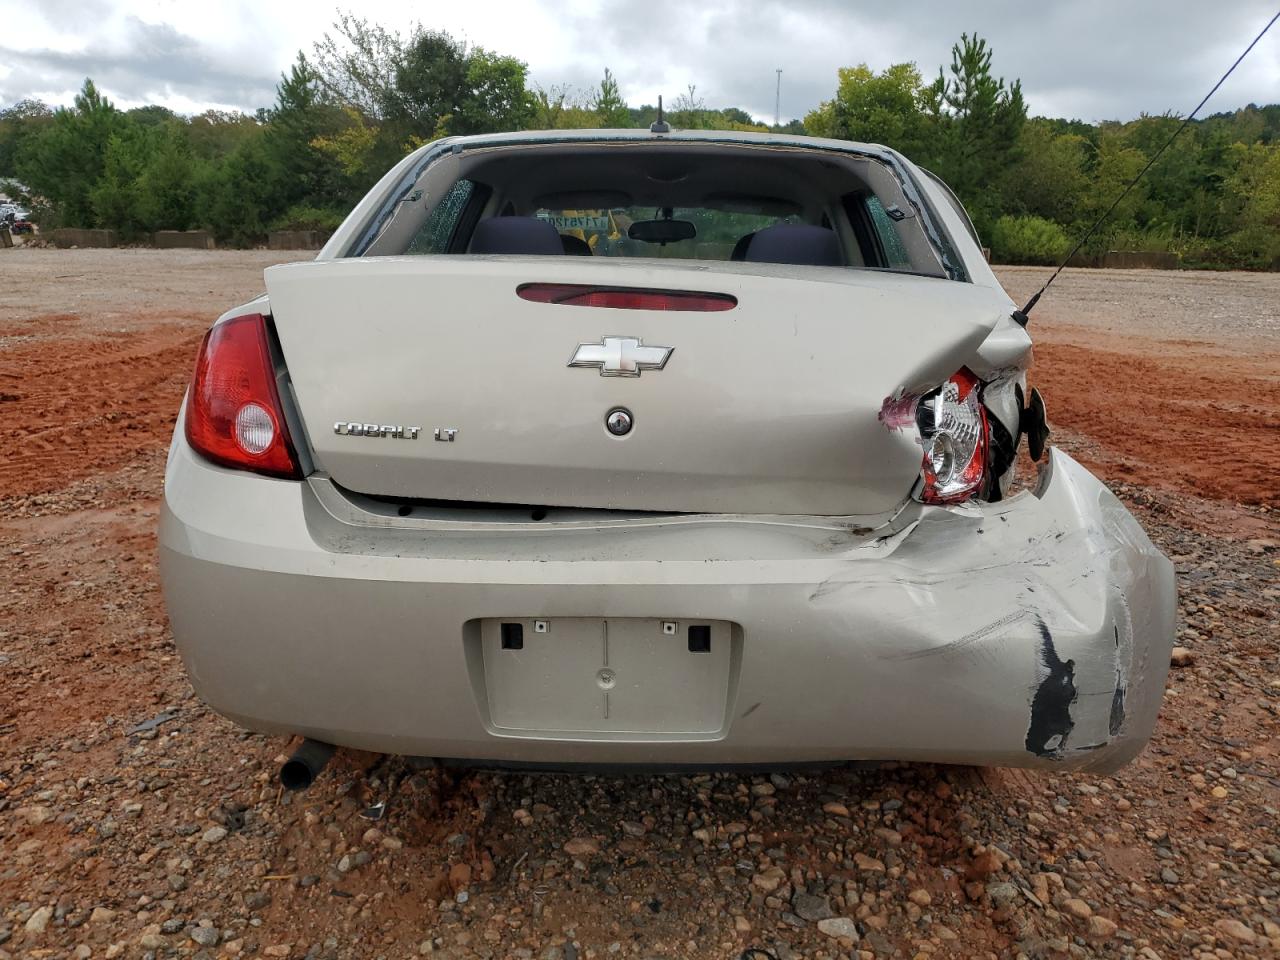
(632,448)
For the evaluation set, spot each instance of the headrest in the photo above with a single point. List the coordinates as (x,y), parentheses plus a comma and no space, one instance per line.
(740,248)
(516,235)
(575,246)
(798,243)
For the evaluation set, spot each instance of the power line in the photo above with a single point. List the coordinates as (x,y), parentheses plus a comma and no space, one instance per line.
(1021,315)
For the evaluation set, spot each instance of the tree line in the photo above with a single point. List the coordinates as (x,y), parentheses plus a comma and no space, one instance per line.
(366,95)
(1032,185)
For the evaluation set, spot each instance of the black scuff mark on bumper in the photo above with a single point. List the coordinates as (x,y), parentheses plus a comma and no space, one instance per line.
(1116,723)
(1051,721)
(1117,710)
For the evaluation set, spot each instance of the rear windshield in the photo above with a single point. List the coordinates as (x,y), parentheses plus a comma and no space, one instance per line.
(661,199)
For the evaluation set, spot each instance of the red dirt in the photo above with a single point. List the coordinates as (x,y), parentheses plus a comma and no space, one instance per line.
(76,406)
(1176,416)
(1169,380)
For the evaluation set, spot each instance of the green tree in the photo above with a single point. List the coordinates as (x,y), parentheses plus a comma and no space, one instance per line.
(549,105)
(886,107)
(303,115)
(689,111)
(166,194)
(147,182)
(19,124)
(1051,176)
(215,133)
(430,82)
(611,110)
(67,158)
(114,195)
(1253,192)
(560,108)
(978,142)
(1028,240)
(352,148)
(235,199)
(1114,167)
(357,65)
(495,96)
(425,85)
(152,115)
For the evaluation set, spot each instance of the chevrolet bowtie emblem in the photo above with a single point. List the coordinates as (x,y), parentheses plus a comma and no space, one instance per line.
(620,356)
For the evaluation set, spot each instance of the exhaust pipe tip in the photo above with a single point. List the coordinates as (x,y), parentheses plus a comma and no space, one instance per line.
(301,769)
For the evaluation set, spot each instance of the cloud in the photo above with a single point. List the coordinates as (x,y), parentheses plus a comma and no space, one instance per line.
(144,63)
(1092,59)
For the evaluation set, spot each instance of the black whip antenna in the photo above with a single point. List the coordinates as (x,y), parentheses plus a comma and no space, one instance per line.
(660,125)
(1022,315)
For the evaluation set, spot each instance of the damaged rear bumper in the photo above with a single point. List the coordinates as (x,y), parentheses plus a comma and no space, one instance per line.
(1052,615)
(1032,632)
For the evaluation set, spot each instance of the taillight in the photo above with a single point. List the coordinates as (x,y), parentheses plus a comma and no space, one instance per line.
(625,298)
(953,431)
(234,416)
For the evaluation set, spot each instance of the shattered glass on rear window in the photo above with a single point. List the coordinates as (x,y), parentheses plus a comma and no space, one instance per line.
(894,251)
(438,229)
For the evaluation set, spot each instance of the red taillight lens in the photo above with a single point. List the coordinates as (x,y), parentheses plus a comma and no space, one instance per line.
(623,298)
(952,426)
(234,417)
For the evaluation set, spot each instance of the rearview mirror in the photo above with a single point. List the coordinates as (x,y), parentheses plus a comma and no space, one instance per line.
(662,231)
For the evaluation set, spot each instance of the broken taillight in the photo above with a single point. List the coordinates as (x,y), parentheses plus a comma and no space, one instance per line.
(234,417)
(954,434)
(625,298)
(953,430)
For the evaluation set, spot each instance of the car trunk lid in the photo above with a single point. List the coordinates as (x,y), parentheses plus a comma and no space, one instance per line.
(770,407)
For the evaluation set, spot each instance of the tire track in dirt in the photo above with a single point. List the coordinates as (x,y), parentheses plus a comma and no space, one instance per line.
(1182,419)
(73,405)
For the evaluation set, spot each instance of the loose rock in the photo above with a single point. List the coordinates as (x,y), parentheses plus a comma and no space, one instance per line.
(841,928)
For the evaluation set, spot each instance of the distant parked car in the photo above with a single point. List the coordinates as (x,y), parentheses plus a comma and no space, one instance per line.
(735,487)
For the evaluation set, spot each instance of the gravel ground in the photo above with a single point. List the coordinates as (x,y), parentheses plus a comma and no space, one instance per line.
(136,823)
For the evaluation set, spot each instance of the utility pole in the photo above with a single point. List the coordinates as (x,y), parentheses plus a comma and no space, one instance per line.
(777,102)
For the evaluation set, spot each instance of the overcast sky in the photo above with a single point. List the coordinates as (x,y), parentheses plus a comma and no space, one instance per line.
(1087,59)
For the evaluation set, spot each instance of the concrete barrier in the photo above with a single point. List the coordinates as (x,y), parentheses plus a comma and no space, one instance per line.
(1084,260)
(1139,260)
(296,239)
(76,237)
(182,239)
